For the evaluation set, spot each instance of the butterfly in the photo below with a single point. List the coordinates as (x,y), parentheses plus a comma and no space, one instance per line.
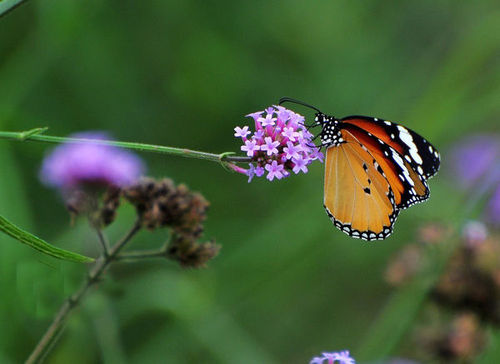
(374,168)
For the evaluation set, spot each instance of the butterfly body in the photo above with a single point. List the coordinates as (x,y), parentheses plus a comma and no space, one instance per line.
(374,168)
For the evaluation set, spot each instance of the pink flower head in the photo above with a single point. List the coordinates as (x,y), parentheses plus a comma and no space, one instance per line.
(280,144)
(71,166)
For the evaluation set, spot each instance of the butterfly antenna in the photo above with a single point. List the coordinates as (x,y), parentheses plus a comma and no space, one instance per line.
(295,101)
(315,146)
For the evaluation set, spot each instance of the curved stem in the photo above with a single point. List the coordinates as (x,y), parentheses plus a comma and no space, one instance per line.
(143,254)
(103,241)
(36,135)
(73,301)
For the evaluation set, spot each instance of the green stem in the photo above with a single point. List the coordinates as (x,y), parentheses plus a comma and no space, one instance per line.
(103,241)
(36,135)
(48,340)
(143,254)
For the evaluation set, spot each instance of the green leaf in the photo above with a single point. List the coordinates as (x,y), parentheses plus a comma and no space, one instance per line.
(36,243)
(7,5)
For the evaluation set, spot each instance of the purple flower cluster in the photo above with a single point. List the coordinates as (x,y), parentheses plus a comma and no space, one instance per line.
(476,164)
(75,165)
(341,357)
(280,144)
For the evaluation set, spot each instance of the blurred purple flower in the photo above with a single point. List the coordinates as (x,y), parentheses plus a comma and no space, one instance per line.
(341,357)
(476,164)
(280,144)
(494,207)
(475,158)
(74,165)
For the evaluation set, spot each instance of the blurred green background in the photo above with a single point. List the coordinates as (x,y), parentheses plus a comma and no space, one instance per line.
(287,285)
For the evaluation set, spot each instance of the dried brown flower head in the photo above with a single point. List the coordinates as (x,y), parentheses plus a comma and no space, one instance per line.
(190,253)
(161,203)
(405,264)
(459,340)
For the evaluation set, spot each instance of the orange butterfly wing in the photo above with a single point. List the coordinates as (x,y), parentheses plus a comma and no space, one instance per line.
(358,197)
(408,186)
(420,154)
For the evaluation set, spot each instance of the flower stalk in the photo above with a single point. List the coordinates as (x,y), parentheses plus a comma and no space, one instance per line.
(37,135)
(73,301)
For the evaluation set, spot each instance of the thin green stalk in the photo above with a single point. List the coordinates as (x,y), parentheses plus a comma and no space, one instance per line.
(104,242)
(143,254)
(36,135)
(48,340)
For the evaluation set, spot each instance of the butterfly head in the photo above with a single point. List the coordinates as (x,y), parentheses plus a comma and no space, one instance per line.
(330,130)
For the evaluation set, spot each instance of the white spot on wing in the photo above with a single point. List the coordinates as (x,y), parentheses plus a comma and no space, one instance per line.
(401,163)
(406,137)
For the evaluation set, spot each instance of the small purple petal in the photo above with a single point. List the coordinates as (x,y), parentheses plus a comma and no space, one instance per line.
(275,171)
(241,132)
(300,165)
(259,171)
(259,134)
(255,115)
(316,155)
(291,151)
(250,147)
(267,121)
(270,146)
(342,357)
(251,172)
(290,133)
(316,360)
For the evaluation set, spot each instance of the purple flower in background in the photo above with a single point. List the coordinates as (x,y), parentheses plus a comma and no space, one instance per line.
(476,165)
(341,357)
(71,166)
(280,144)
(494,207)
(475,158)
